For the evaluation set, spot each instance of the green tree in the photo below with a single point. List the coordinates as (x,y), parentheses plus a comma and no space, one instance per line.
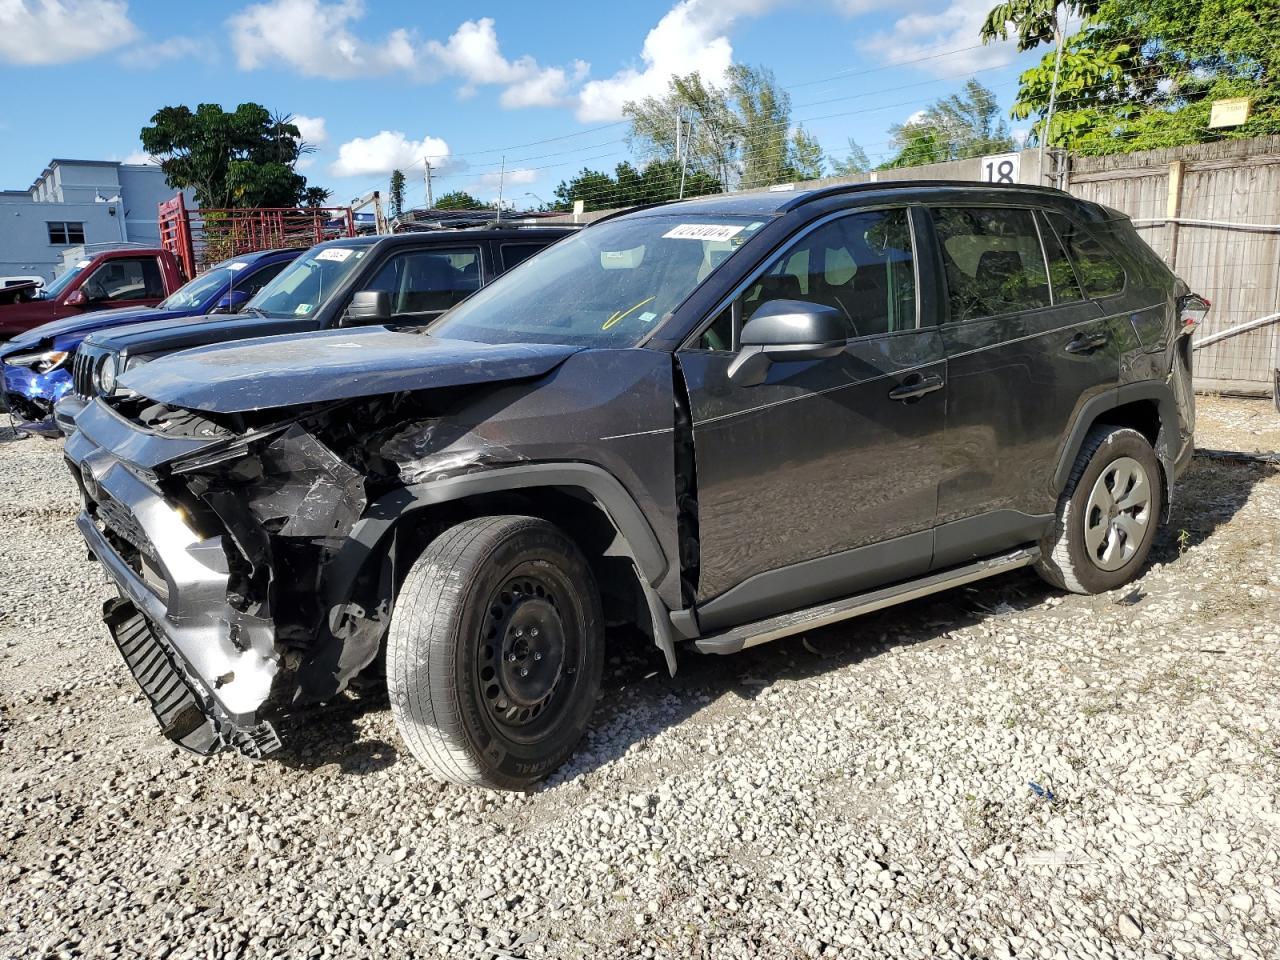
(804,157)
(658,181)
(961,125)
(395,196)
(458,200)
(739,134)
(242,158)
(855,161)
(1143,74)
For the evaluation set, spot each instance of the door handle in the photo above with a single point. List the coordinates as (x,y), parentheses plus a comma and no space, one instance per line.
(915,386)
(1087,344)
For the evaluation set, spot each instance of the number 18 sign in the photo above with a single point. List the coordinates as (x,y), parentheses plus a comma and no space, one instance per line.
(1000,168)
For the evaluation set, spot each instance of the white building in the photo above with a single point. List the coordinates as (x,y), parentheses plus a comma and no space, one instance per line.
(78,203)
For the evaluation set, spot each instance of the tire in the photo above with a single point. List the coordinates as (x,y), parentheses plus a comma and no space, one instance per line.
(1092,548)
(487,599)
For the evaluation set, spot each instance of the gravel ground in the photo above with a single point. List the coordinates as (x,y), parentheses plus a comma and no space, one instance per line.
(865,791)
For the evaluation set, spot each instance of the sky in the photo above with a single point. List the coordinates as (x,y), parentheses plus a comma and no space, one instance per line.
(527,91)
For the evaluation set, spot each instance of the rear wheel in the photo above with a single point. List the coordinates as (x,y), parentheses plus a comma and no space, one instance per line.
(495,652)
(1107,516)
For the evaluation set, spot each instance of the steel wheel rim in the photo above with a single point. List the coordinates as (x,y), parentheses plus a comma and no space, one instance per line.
(1118,514)
(528,655)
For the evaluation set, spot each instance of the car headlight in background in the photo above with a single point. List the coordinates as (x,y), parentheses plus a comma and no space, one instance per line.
(107,374)
(41,362)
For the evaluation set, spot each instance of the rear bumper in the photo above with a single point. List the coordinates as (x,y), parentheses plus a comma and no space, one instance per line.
(174,621)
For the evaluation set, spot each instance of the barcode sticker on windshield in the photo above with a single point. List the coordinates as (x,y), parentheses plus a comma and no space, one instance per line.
(702,231)
(335,253)
(238,265)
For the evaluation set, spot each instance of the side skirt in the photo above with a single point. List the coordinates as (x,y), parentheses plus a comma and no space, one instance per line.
(800,621)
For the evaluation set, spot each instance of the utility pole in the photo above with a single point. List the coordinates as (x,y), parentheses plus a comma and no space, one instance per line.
(426,162)
(1053,88)
(683,157)
(502,175)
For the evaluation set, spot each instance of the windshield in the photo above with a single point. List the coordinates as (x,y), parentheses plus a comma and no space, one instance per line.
(607,286)
(301,288)
(201,291)
(61,283)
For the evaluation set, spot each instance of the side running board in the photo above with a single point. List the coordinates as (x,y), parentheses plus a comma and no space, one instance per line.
(800,621)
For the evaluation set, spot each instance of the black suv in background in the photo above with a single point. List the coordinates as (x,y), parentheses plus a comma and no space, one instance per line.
(725,420)
(402,279)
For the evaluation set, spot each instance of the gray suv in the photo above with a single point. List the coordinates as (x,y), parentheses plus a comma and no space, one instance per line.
(725,421)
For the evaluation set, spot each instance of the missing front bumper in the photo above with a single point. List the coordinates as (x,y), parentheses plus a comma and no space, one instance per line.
(177,708)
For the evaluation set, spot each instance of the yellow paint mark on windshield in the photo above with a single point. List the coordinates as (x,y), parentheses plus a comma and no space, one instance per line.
(621,314)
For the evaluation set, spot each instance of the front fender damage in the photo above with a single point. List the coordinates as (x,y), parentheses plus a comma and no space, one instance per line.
(287,504)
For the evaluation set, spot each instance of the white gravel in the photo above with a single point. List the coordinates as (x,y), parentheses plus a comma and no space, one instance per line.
(865,791)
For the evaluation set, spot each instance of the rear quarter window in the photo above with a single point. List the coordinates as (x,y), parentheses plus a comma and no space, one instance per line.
(1101,272)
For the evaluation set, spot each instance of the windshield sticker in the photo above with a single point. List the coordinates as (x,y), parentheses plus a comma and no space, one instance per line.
(82,264)
(238,265)
(303,309)
(702,231)
(647,317)
(339,254)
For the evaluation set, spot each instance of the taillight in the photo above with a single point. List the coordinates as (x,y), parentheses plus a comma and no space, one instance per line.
(1192,308)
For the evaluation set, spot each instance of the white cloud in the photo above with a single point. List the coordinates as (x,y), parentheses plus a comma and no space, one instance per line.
(386,151)
(140,156)
(474,54)
(507,180)
(304,163)
(313,129)
(59,31)
(151,55)
(316,38)
(312,37)
(931,38)
(691,36)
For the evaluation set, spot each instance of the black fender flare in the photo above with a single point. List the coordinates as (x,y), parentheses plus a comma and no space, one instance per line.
(620,507)
(1096,409)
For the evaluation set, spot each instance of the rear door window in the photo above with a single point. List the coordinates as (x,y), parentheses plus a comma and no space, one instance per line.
(515,253)
(1062,275)
(992,260)
(1100,272)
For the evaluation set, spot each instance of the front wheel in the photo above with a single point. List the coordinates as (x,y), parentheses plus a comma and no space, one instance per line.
(495,652)
(1107,516)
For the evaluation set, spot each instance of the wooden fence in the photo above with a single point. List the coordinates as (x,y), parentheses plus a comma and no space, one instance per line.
(1212,211)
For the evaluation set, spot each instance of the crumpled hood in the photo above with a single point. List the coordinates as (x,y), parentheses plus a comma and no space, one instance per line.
(83,324)
(332,365)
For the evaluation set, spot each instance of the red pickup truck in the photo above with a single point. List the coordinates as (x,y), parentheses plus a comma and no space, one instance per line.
(131,277)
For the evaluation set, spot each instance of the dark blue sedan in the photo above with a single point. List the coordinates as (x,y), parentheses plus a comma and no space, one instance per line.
(36,365)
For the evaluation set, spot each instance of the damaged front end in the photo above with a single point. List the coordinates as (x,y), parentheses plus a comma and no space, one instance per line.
(221,531)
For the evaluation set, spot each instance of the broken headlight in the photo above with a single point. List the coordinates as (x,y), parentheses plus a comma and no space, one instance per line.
(41,362)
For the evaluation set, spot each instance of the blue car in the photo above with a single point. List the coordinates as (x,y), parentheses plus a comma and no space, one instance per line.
(36,365)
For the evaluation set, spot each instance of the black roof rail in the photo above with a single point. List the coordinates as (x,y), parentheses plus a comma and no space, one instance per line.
(804,196)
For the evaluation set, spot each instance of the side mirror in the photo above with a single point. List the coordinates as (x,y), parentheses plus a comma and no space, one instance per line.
(787,330)
(233,302)
(368,306)
(76,298)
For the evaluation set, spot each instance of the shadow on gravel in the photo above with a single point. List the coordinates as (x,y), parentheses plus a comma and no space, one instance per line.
(10,435)
(1208,495)
(639,700)
(320,736)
